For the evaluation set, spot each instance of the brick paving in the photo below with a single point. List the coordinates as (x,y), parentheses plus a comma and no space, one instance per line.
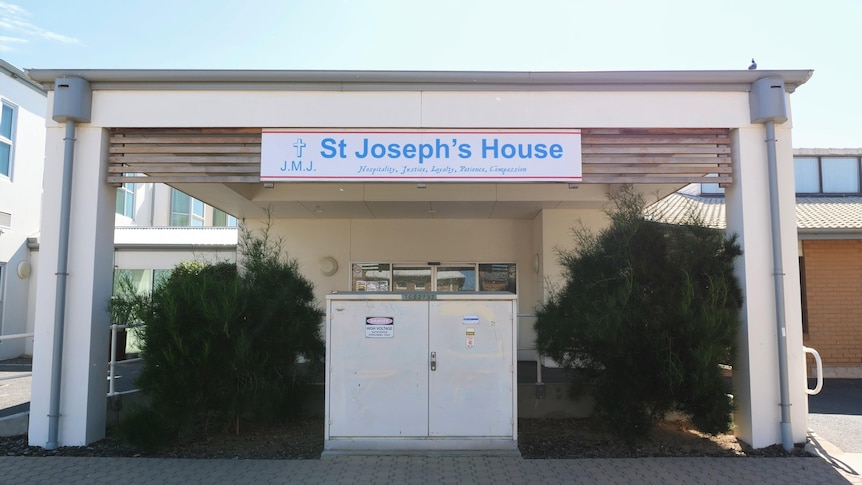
(358,470)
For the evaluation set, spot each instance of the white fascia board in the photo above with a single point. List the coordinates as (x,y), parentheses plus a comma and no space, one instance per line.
(105,79)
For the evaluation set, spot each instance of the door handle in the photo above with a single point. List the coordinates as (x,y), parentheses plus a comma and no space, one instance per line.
(433,361)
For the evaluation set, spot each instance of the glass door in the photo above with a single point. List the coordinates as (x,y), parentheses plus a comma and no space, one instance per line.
(455,278)
(412,278)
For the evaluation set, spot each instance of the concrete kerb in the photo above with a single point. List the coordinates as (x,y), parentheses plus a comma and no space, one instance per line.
(848,464)
(15,424)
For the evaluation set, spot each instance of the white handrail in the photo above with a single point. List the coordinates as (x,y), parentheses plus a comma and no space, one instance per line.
(819,364)
(14,336)
(16,376)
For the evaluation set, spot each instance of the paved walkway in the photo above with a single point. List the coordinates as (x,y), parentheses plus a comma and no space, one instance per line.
(848,464)
(832,466)
(356,470)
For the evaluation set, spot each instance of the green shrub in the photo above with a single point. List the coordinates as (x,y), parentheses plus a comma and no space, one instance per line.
(221,345)
(646,314)
(144,427)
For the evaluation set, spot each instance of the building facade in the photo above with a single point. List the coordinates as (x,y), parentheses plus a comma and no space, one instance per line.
(829,218)
(829,229)
(22,150)
(416,182)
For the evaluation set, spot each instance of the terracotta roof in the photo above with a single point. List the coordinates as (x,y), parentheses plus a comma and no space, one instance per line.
(829,212)
(680,207)
(813,213)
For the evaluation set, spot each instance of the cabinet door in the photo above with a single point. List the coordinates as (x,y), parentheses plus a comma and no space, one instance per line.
(379,374)
(470,392)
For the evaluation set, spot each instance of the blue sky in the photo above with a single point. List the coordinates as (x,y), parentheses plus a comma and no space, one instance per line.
(520,35)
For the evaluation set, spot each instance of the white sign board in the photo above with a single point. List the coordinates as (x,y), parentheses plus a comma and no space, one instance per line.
(422,155)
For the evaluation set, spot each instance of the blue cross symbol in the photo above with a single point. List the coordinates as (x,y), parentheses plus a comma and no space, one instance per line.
(299,146)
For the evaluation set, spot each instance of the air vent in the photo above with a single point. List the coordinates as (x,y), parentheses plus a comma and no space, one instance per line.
(5,220)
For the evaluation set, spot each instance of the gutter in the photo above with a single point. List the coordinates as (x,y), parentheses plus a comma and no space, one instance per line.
(155,79)
(21,76)
(829,233)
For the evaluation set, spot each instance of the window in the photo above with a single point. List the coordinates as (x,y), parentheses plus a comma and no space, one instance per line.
(423,277)
(2,275)
(223,219)
(139,280)
(411,278)
(827,175)
(456,278)
(806,172)
(186,210)
(371,276)
(126,200)
(840,175)
(7,132)
(711,188)
(497,277)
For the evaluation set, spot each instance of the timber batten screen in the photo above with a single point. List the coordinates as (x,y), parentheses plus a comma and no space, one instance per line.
(610,155)
(166,155)
(656,155)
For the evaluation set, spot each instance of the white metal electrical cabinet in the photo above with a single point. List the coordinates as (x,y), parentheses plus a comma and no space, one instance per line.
(408,372)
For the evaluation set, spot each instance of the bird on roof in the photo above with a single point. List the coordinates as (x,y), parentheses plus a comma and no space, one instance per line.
(753,65)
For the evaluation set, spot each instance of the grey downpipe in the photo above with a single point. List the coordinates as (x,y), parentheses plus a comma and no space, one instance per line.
(777,261)
(62,274)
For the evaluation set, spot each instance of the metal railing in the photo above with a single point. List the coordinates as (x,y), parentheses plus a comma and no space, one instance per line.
(113,363)
(13,337)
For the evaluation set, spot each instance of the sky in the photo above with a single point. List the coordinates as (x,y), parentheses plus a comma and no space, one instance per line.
(474,35)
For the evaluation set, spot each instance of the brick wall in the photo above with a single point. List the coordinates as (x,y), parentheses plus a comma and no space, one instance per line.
(833,280)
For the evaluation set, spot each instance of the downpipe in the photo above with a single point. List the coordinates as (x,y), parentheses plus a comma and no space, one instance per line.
(62,275)
(778,274)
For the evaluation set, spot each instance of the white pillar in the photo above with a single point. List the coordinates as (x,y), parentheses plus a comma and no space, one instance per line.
(85,347)
(755,373)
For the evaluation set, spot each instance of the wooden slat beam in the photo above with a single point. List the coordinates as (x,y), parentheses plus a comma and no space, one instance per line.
(610,155)
(183,140)
(169,149)
(653,140)
(116,180)
(702,160)
(648,179)
(655,150)
(591,169)
(654,131)
(150,168)
(200,159)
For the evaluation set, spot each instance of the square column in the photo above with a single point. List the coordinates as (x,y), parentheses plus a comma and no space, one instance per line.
(88,288)
(756,384)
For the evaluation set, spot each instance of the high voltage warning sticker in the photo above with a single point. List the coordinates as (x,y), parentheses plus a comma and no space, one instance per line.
(379,327)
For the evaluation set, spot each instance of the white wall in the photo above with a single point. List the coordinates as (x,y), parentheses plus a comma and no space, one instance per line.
(89,286)
(748,216)
(20,196)
(430,109)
